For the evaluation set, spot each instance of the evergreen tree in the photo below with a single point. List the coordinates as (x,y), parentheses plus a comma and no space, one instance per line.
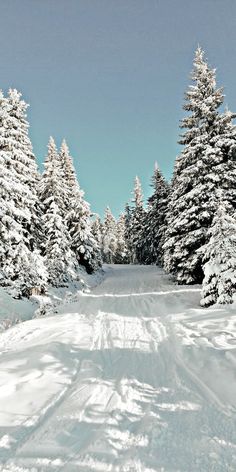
(67,165)
(127,218)
(10,229)
(31,275)
(84,245)
(219,283)
(109,243)
(19,176)
(59,258)
(97,231)
(155,226)
(51,187)
(121,255)
(78,216)
(68,176)
(205,164)
(137,224)
(23,162)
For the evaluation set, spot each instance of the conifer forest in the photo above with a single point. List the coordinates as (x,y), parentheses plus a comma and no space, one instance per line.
(187,226)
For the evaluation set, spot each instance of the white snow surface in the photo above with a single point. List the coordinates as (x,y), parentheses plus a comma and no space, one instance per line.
(13,310)
(128,376)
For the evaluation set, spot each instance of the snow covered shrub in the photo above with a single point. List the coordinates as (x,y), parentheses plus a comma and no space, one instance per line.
(32,274)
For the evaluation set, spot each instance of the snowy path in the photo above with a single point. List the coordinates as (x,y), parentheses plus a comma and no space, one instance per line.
(132,377)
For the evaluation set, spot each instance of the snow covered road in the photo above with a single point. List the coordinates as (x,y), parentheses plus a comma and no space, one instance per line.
(130,377)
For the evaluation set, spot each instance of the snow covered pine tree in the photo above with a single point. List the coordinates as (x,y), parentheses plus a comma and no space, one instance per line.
(109,240)
(155,222)
(137,226)
(205,165)
(59,258)
(127,218)
(78,216)
(18,214)
(121,255)
(97,231)
(219,283)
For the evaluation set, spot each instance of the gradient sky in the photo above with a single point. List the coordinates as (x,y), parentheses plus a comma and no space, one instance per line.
(109,76)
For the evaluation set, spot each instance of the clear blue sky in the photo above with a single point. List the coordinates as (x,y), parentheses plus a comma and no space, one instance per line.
(109,76)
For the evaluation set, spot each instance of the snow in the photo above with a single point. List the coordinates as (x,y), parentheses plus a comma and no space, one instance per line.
(130,375)
(14,310)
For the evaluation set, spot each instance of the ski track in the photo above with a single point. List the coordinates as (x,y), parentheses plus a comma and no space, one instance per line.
(130,377)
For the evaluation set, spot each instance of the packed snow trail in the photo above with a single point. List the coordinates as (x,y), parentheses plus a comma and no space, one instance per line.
(130,377)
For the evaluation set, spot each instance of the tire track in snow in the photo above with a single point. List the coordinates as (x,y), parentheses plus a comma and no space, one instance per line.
(139,294)
(102,340)
(30,431)
(175,350)
(116,331)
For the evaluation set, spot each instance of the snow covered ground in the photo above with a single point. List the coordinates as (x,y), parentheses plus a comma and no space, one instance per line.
(130,376)
(13,310)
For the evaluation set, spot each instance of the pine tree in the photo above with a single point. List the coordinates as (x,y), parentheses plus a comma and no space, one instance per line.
(205,164)
(84,245)
(31,275)
(19,176)
(219,283)
(10,229)
(97,231)
(51,186)
(121,255)
(67,165)
(23,161)
(59,258)
(127,218)
(155,226)
(68,176)
(137,224)
(78,216)
(109,243)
